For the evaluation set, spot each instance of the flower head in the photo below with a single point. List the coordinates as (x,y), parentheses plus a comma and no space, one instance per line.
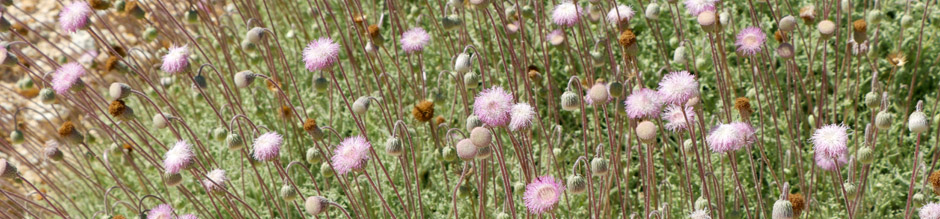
(176,60)
(520,116)
(700,214)
(351,154)
(930,211)
(188,216)
(566,14)
(678,87)
(267,146)
(215,180)
(74,16)
(163,211)
(492,106)
(694,7)
(556,37)
(730,137)
(675,119)
(831,140)
(321,54)
(750,40)
(830,163)
(620,14)
(542,194)
(66,76)
(178,158)
(643,103)
(414,40)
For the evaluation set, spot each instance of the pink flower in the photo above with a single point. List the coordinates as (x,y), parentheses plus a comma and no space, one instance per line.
(321,54)
(215,180)
(620,14)
(542,194)
(188,216)
(694,7)
(492,106)
(566,14)
(730,137)
(163,211)
(178,158)
(176,60)
(267,146)
(831,140)
(678,87)
(520,116)
(351,154)
(414,40)
(750,40)
(74,16)
(675,119)
(66,76)
(643,103)
(930,211)
(556,37)
(829,163)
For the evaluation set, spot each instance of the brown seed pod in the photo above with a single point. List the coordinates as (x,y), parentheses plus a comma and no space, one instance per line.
(934,181)
(373,31)
(798,203)
(99,4)
(117,108)
(778,36)
(743,105)
(627,38)
(310,125)
(66,128)
(860,25)
(897,59)
(423,111)
(111,63)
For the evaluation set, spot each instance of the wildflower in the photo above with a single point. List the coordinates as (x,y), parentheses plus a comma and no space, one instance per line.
(321,54)
(708,20)
(783,209)
(826,28)
(267,146)
(393,146)
(67,76)
(215,180)
(163,211)
(830,163)
(556,37)
(675,120)
(743,105)
(542,194)
(188,216)
(493,106)
(930,211)
(176,60)
(643,103)
(423,111)
(678,87)
(178,158)
(566,14)
(695,7)
(570,101)
(860,25)
(67,130)
(934,180)
(830,140)
(600,166)
(620,14)
(786,51)
(351,154)
(414,40)
(808,13)
(75,16)
(520,116)
(700,214)
(750,40)
(730,137)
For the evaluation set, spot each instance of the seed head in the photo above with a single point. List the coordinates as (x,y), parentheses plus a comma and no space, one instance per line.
(808,13)
(826,28)
(743,105)
(860,25)
(626,38)
(423,111)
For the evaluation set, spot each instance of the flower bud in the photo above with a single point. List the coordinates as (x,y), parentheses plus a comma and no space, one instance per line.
(875,16)
(249,46)
(783,209)
(599,166)
(53,153)
(708,21)
(160,121)
(174,180)
(723,18)
(484,153)
(321,84)
(150,34)
(646,131)
(288,193)
(850,190)
(865,155)
(200,81)
(326,170)
(462,63)
(787,24)
(883,120)
(255,35)
(192,16)
(393,147)
(471,80)
(16,136)
(244,78)
(679,55)
(502,215)
(570,101)
(316,205)
(47,95)
(25,83)
(234,142)
(701,203)
(917,122)
(826,29)
(786,51)
(448,154)
(907,21)
(6,169)
(576,184)
(481,137)
(451,22)
(361,105)
(652,11)
(472,122)
(615,89)
(466,150)
(872,100)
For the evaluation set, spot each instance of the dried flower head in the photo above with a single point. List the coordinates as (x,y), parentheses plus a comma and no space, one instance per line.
(678,87)
(798,203)
(67,76)
(626,38)
(351,154)
(310,125)
(267,146)
(860,25)
(75,16)
(178,158)
(831,140)
(321,54)
(543,194)
(566,14)
(808,13)
(423,111)
(743,105)
(493,106)
(643,103)
(695,7)
(163,211)
(117,108)
(414,40)
(750,40)
(66,128)
(897,59)
(675,121)
(520,116)
(934,181)
(620,14)
(176,60)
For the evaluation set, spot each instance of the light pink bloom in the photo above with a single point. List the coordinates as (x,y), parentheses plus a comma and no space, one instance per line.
(730,137)
(566,14)
(675,119)
(188,216)
(695,7)
(178,158)
(163,211)
(678,87)
(176,60)
(643,103)
(930,211)
(66,76)
(267,146)
(828,163)
(414,40)
(831,140)
(620,14)
(750,40)
(351,154)
(520,116)
(321,54)
(492,106)
(215,180)
(74,16)
(542,194)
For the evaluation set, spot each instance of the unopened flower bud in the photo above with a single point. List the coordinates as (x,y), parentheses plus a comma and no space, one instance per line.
(256,34)
(316,205)
(883,120)
(7,170)
(321,84)
(786,51)
(481,137)
(47,95)
(173,180)
(783,209)
(234,142)
(787,24)
(472,122)
(462,63)
(448,154)
(160,121)
(484,153)
(679,55)
(393,147)
(471,80)
(16,136)
(646,131)
(576,184)
(361,105)
(326,170)
(466,150)
(599,166)
(288,193)
(652,11)
(865,155)
(244,78)
(570,101)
